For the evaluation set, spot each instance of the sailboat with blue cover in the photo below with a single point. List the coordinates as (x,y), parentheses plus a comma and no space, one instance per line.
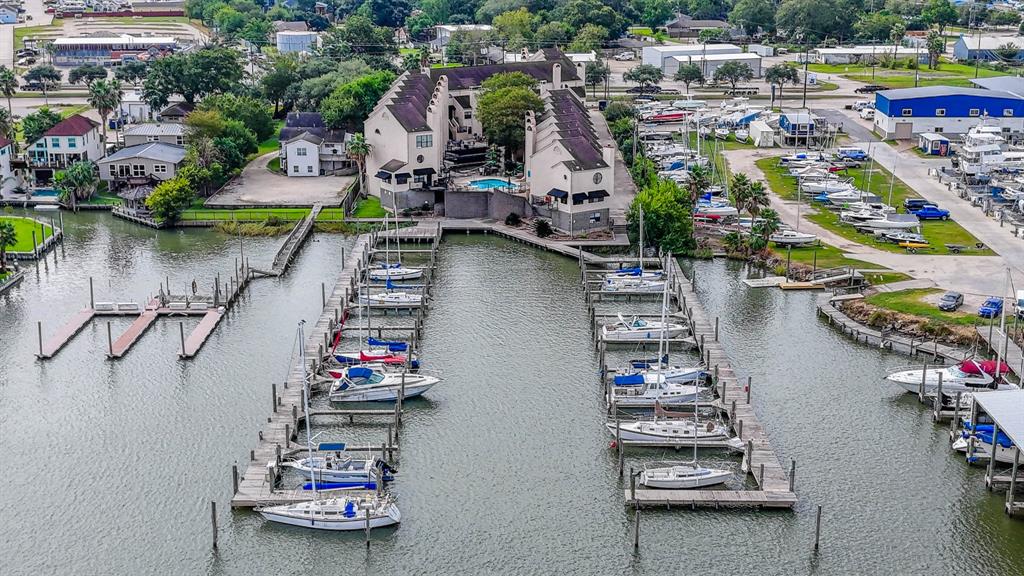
(635,279)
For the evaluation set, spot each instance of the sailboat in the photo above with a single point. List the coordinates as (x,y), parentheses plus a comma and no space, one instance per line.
(396,271)
(635,279)
(336,513)
(392,297)
(340,467)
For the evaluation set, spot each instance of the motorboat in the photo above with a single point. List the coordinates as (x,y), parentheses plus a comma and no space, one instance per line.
(891,221)
(645,396)
(339,467)
(688,103)
(373,355)
(364,384)
(968,376)
(394,271)
(722,133)
(715,210)
(792,159)
(636,272)
(742,134)
(336,513)
(876,206)
(637,329)
(848,195)
(981,447)
(862,215)
(903,236)
(683,477)
(828,187)
(792,238)
(661,430)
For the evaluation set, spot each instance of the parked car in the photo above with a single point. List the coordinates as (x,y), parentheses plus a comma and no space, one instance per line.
(669,91)
(652,89)
(931,212)
(625,56)
(851,152)
(991,308)
(862,104)
(870,89)
(912,204)
(950,301)
(867,113)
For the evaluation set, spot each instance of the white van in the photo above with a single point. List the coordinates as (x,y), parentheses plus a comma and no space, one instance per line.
(1020,304)
(867,113)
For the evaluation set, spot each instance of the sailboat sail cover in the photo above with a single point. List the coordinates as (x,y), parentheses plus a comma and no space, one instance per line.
(391,345)
(629,380)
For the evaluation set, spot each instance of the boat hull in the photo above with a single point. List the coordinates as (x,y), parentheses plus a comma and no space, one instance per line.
(642,335)
(673,432)
(281,515)
(380,393)
(382,274)
(665,479)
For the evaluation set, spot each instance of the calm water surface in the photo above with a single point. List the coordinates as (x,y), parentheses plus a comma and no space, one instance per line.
(506,467)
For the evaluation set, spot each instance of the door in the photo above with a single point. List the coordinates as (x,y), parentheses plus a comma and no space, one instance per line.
(904,130)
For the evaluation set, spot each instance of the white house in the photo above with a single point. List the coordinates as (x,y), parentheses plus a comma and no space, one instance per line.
(8,179)
(310,148)
(70,140)
(567,167)
(141,164)
(168,133)
(443,33)
(297,41)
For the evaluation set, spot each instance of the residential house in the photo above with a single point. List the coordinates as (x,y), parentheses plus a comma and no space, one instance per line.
(73,139)
(428,114)
(567,167)
(175,112)
(684,26)
(901,114)
(134,108)
(8,14)
(310,148)
(9,179)
(168,133)
(141,164)
(797,128)
(283,25)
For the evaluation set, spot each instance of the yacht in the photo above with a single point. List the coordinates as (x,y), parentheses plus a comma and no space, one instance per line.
(364,384)
(968,376)
(340,513)
(637,329)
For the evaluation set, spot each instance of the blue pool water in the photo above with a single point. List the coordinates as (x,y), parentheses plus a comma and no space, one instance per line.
(44,192)
(491,183)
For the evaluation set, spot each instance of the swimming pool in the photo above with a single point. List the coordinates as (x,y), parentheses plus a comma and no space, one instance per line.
(44,192)
(492,183)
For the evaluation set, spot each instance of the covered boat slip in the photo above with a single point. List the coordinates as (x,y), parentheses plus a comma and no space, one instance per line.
(1006,409)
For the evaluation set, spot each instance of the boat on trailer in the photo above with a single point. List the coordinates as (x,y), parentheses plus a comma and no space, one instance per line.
(792,238)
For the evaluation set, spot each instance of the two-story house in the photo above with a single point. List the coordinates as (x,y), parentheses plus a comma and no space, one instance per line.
(168,133)
(141,164)
(310,148)
(73,139)
(9,179)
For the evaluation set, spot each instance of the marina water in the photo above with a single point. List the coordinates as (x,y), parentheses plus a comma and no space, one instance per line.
(505,466)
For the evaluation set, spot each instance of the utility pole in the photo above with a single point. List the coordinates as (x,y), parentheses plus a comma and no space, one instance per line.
(804,105)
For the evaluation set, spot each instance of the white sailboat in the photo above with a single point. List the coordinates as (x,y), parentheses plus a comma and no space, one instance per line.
(792,238)
(337,513)
(396,271)
(340,468)
(391,297)
(635,279)
(364,384)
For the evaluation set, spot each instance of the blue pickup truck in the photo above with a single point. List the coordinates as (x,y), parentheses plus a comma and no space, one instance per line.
(931,212)
(991,308)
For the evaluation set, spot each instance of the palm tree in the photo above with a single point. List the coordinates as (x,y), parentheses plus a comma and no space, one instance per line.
(699,182)
(757,199)
(733,243)
(8,237)
(7,128)
(358,149)
(8,85)
(740,191)
(105,97)
(768,224)
(78,182)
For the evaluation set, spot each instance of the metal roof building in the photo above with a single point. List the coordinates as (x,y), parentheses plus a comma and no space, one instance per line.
(905,112)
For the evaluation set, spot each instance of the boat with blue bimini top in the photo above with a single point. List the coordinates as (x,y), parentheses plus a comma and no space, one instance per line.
(981,447)
(340,467)
(364,384)
(636,272)
(337,513)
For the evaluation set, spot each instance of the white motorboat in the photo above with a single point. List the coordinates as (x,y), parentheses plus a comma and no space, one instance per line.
(792,238)
(394,272)
(827,187)
(338,513)
(363,384)
(637,329)
(715,210)
(844,196)
(891,222)
(392,298)
(982,445)
(862,215)
(645,396)
(667,430)
(968,376)
(898,237)
(742,134)
(722,133)
(688,103)
(341,468)
(683,477)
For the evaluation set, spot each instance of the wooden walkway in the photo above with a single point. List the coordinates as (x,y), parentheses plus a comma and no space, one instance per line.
(130,336)
(200,333)
(775,488)
(292,243)
(1014,356)
(256,484)
(64,334)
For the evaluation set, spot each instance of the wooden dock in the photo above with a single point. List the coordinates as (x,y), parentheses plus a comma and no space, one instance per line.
(125,341)
(64,334)
(996,340)
(200,333)
(292,243)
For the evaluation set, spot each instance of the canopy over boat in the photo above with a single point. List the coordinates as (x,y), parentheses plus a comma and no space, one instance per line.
(629,380)
(391,345)
(976,367)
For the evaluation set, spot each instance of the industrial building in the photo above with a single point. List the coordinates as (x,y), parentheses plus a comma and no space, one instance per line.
(865,54)
(903,113)
(987,47)
(658,55)
(108,50)
(710,62)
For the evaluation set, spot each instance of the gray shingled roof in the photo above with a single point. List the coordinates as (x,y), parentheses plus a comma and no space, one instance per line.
(151,150)
(575,130)
(298,123)
(466,77)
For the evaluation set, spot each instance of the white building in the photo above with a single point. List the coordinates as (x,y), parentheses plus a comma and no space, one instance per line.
(864,54)
(296,41)
(134,107)
(443,33)
(657,55)
(310,148)
(108,49)
(708,63)
(141,164)
(8,179)
(73,139)
(168,133)
(566,165)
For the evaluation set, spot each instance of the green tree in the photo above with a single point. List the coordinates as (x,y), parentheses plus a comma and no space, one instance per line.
(46,77)
(589,38)
(708,9)
(284,72)
(768,223)
(359,37)
(710,35)
(779,75)
(643,75)
(579,13)
(8,238)
(753,15)
(553,34)
(810,21)
(256,31)
(508,80)
(105,97)
(1007,51)
(936,45)
(876,26)
(87,73)
(358,149)
(698,183)
(170,198)
(193,75)
(77,182)
(131,72)
(899,30)
(734,243)
(252,112)
(35,124)
(204,124)
(939,13)
(668,222)
(654,13)
(733,72)
(515,27)
(7,125)
(388,13)
(689,74)
(8,85)
(502,114)
(615,111)
(596,74)
(350,104)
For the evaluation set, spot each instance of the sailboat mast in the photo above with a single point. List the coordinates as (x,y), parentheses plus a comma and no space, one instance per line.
(641,250)
(305,406)
(398,243)
(1002,326)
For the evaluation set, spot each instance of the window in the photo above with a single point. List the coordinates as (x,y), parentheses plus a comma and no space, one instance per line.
(974,112)
(907,112)
(72,143)
(938,130)
(152,138)
(309,169)
(419,159)
(419,179)
(112,169)
(295,169)
(300,151)
(54,142)
(160,169)
(1007,111)
(138,170)
(467,115)
(425,141)
(598,177)
(179,140)
(596,218)
(938,112)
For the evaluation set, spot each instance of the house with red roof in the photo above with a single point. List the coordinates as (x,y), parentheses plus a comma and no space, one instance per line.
(73,139)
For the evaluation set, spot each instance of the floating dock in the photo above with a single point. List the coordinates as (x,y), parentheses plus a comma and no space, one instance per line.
(64,334)
(200,333)
(125,341)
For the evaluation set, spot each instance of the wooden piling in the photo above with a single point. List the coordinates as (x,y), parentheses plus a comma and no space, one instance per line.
(817,528)
(716,328)
(749,380)
(273,396)
(40,326)
(92,300)
(234,479)
(792,474)
(636,531)
(213,519)
(181,332)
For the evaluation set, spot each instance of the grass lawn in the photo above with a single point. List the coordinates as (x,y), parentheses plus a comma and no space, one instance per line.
(912,302)
(448,65)
(21,33)
(876,278)
(369,208)
(825,256)
(23,228)
(274,165)
(407,51)
(259,214)
(104,199)
(272,143)
(67,110)
(876,180)
(946,74)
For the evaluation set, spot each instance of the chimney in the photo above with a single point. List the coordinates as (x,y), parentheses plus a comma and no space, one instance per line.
(531,134)
(608,155)
(556,76)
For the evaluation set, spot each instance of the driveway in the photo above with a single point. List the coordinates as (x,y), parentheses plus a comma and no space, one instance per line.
(258,186)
